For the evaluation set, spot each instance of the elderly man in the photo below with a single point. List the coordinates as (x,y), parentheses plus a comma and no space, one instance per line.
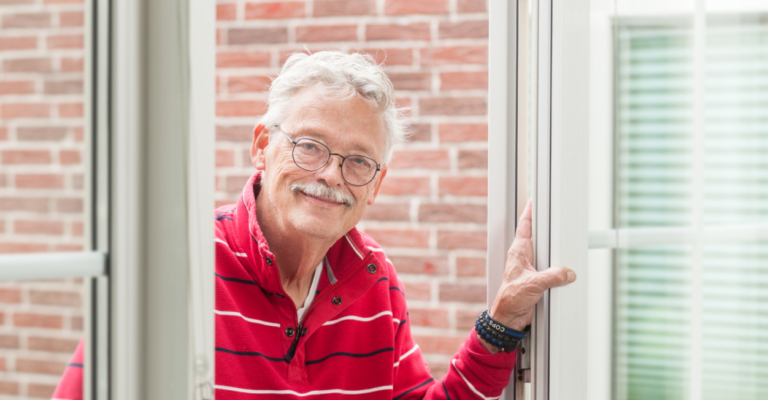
(306,304)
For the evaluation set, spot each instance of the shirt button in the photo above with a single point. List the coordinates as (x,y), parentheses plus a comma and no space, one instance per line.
(372,268)
(289,331)
(269,261)
(336,300)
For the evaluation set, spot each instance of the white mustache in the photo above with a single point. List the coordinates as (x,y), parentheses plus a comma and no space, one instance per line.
(318,189)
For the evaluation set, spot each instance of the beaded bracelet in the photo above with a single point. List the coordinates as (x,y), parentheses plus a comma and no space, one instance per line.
(498,335)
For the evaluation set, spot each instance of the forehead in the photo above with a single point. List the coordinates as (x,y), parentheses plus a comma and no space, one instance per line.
(350,123)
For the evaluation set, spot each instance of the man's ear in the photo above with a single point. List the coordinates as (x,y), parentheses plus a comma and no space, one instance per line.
(377,185)
(260,142)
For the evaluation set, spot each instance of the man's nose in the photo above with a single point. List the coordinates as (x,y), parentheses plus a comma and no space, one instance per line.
(331,171)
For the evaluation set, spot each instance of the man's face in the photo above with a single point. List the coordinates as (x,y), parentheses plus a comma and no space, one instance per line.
(346,127)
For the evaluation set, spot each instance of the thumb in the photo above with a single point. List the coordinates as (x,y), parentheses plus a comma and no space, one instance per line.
(556,276)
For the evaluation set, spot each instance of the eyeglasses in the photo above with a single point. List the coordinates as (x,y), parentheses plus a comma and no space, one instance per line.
(311,155)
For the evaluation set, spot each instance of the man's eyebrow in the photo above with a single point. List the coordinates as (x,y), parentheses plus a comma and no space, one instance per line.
(315,134)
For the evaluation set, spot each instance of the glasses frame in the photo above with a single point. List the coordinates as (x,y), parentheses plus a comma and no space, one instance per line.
(343,158)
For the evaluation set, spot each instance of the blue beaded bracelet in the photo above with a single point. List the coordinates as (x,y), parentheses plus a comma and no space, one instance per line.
(498,335)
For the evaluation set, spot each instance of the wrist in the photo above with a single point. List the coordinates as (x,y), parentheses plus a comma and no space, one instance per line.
(515,322)
(491,349)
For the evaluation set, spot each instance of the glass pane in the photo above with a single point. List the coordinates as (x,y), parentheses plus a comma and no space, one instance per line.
(42,189)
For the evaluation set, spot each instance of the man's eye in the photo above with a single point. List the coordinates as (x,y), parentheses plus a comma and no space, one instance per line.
(361,162)
(308,146)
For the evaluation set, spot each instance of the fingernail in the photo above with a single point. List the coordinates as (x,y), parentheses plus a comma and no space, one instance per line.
(571,276)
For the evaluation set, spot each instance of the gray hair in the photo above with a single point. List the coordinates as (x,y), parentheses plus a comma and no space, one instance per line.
(340,75)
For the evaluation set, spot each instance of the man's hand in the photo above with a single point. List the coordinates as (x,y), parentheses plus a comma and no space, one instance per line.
(523,286)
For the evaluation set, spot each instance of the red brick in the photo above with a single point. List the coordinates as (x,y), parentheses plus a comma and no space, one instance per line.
(452,106)
(473,159)
(25,157)
(452,213)
(43,390)
(9,295)
(219,203)
(68,247)
(329,8)
(27,65)
(55,298)
(52,344)
(38,227)
(439,344)
(76,323)
(415,31)
(64,87)
(387,212)
(77,229)
(37,133)
(404,186)
(16,87)
(9,342)
(71,110)
(464,186)
(431,159)
(33,320)
(10,248)
(18,43)
(40,366)
(462,240)
(226,12)
(23,204)
(77,181)
(326,33)
(463,29)
(417,291)
(69,157)
(463,292)
(27,20)
(391,56)
(275,10)
(420,265)
(464,80)
(71,64)
(25,110)
(411,80)
(69,205)
(463,132)
(243,59)
(405,7)
(234,133)
(400,238)
(71,18)
(234,184)
(247,84)
(420,133)
(225,158)
(465,319)
(39,181)
(431,318)
(65,42)
(471,6)
(63,1)
(77,133)
(9,387)
(454,55)
(470,266)
(240,108)
(257,36)
(3,133)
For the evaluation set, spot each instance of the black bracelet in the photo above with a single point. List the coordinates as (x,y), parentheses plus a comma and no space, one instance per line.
(498,335)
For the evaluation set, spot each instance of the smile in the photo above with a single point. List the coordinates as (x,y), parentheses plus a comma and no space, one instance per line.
(321,201)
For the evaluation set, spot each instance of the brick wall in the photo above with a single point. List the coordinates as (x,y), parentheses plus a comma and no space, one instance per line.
(41,186)
(431,212)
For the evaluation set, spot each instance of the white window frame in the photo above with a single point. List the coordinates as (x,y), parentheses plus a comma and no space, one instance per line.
(559,330)
(149,259)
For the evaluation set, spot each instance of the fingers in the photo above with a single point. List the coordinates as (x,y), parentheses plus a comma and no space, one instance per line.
(524,223)
(556,276)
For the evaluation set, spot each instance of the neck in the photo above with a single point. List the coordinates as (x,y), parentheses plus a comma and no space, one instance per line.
(296,255)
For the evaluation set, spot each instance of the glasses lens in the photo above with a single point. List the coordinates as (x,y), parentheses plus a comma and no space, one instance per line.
(309,154)
(358,170)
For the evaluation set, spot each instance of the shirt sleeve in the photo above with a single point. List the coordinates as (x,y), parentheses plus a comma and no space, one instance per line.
(71,384)
(474,373)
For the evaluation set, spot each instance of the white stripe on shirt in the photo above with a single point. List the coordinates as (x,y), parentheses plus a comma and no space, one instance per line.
(310,393)
(353,247)
(477,392)
(356,318)
(407,353)
(227,244)
(255,321)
